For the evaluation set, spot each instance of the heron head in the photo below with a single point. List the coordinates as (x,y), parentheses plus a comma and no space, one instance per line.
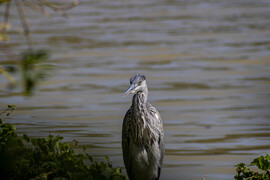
(137,83)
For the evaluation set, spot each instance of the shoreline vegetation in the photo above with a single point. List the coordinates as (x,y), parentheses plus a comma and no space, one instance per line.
(48,158)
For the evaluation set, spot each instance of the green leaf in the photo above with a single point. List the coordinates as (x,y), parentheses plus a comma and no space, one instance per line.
(262,163)
(3,37)
(75,142)
(11,106)
(107,158)
(26,138)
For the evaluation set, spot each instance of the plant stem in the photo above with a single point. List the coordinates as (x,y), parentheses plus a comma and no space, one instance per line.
(24,24)
(6,15)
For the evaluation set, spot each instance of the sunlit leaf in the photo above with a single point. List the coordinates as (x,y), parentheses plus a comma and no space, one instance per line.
(262,163)
(244,172)
(2,1)
(5,26)
(4,37)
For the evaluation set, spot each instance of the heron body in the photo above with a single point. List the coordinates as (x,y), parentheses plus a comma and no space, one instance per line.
(142,135)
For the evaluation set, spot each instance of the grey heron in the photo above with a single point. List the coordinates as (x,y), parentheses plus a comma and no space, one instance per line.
(142,134)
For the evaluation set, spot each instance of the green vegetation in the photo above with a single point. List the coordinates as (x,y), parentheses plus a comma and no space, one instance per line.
(262,163)
(47,158)
(32,62)
(33,69)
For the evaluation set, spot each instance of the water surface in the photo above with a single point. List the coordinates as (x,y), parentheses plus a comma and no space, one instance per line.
(207,65)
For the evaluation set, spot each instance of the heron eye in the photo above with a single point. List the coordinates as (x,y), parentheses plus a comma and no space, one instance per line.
(139,83)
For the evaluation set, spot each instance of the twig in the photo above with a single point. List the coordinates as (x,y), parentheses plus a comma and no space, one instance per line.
(8,76)
(6,16)
(36,6)
(24,24)
(59,9)
(43,10)
(204,178)
(10,108)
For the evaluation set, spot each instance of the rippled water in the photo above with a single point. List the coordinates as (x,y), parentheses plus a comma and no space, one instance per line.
(208,69)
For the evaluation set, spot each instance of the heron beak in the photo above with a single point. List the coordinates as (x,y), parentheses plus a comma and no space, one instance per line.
(129,90)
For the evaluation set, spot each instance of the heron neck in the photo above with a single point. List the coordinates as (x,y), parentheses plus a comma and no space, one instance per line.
(140,97)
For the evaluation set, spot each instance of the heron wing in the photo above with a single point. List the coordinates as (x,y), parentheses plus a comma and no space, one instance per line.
(126,141)
(158,125)
(154,112)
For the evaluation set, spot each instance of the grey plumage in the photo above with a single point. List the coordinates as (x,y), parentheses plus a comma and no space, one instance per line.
(142,134)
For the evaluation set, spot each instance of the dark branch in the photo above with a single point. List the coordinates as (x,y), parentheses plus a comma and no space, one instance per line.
(24,24)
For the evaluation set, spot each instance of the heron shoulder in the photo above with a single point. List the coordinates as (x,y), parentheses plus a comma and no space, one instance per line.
(154,112)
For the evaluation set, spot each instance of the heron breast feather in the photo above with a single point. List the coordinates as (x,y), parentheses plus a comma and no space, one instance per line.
(141,156)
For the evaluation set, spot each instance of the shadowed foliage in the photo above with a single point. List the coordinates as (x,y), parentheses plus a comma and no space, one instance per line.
(48,158)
